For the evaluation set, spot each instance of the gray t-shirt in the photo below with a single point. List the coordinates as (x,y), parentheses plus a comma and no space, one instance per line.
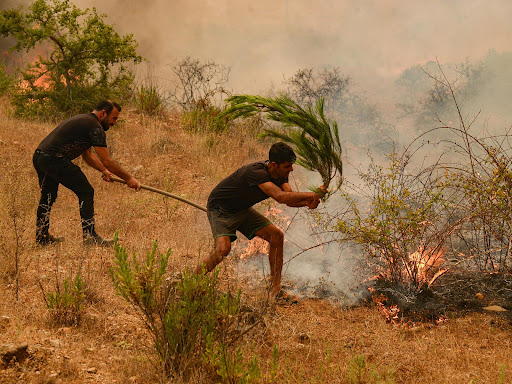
(74,136)
(240,190)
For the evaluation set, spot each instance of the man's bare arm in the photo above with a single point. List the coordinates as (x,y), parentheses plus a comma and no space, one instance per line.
(92,160)
(112,166)
(288,197)
(287,188)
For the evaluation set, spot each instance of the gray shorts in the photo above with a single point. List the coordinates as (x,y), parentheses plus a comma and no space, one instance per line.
(225,223)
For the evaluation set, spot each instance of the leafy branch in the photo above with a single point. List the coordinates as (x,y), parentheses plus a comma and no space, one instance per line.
(315,140)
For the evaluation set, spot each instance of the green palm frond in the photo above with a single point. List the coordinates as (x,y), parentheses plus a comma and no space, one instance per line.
(316,142)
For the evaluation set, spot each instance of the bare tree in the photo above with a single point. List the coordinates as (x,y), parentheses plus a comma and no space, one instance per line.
(198,80)
(307,86)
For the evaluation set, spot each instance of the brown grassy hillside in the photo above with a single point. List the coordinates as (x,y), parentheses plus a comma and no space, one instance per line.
(312,342)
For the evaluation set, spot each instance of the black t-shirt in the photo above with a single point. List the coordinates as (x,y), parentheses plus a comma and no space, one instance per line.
(74,136)
(240,190)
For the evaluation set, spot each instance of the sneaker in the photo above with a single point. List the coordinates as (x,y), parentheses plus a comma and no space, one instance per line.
(97,240)
(48,240)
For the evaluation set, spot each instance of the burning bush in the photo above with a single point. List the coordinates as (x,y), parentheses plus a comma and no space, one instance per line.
(406,225)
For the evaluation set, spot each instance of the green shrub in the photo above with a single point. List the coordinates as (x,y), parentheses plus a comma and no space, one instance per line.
(360,372)
(149,99)
(204,117)
(66,305)
(85,63)
(191,323)
(6,80)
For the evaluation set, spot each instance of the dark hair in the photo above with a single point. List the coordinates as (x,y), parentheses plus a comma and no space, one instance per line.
(281,153)
(108,106)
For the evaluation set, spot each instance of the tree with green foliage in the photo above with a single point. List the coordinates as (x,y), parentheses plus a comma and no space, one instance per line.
(84,60)
(315,140)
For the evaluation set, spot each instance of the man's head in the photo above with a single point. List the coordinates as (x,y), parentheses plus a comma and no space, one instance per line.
(280,159)
(280,153)
(107,112)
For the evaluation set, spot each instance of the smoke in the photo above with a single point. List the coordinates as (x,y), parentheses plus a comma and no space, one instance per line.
(263,40)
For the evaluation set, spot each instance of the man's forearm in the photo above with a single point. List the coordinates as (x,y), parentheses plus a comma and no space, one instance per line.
(295,199)
(301,203)
(94,162)
(116,169)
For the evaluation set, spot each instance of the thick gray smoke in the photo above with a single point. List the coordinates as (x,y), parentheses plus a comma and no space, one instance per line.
(263,40)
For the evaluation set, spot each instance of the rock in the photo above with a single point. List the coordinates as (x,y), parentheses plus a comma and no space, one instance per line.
(10,352)
(479,296)
(55,343)
(495,308)
(92,370)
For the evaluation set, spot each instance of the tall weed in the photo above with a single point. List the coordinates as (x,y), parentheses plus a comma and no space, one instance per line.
(192,324)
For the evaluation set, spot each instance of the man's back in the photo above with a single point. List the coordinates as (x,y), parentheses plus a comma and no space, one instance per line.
(73,136)
(240,190)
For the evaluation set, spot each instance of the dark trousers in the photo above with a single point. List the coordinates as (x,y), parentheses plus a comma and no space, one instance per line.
(52,171)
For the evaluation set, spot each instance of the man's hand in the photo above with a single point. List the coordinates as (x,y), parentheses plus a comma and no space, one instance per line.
(132,182)
(323,191)
(107,175)
(314,201)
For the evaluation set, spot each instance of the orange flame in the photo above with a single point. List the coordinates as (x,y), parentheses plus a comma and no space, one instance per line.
(425,261)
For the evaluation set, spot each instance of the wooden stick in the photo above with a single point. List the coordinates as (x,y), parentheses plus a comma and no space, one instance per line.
(118,180)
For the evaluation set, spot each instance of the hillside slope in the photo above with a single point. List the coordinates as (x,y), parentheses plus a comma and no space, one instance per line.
(315,341)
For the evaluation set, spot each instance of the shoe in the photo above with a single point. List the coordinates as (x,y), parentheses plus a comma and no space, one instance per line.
(97,240)
(285,298)
(48,240)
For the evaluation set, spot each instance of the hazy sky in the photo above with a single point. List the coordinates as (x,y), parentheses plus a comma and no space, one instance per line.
(263,40)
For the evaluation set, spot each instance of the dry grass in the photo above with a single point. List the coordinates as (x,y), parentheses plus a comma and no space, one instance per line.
(315,340)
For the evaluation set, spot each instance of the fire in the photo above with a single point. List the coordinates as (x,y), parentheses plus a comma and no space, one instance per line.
(424,261)
(255,246)
(259,246)
(393,315)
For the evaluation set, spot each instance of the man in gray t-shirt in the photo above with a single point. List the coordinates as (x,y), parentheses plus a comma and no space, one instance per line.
(52,160)
(230,209)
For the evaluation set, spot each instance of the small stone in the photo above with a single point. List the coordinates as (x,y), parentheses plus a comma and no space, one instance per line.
(53,375)
(479,296)
(92,370)
(56,343)
(495,308)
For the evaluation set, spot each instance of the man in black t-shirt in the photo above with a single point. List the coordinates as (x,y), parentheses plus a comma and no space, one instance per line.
(230,209)
(53,162)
